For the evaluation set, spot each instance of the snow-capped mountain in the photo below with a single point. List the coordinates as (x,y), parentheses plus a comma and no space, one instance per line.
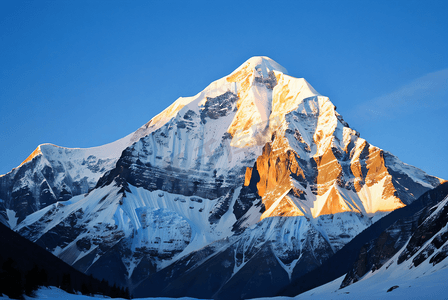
(256,174)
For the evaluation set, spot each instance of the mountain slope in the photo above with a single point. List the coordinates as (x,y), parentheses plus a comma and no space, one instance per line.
(406,260)
(418,236)
(216,174)
(370,249)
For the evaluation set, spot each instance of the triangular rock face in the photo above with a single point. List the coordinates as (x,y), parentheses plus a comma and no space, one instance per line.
(251,146)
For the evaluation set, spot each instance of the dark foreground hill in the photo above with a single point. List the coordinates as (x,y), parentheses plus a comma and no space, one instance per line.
(25,266)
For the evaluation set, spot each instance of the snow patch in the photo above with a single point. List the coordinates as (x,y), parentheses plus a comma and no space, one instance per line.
(12,219)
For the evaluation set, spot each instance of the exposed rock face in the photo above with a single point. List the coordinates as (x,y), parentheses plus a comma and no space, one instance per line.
(275,168)
(256,173)
(339,177)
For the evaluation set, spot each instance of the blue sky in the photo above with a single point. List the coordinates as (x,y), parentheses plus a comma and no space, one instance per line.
(86,73)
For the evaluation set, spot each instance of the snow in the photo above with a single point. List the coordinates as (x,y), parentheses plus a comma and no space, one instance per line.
(289,267)
(416,174)
(275,204)
(341,228)
(266,65)
(192,210)
(90,163)
(57,212)
(12,219)
(423,282)
(54,293)
(419,285)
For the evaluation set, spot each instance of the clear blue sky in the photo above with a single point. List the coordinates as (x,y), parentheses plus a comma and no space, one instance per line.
(86,73)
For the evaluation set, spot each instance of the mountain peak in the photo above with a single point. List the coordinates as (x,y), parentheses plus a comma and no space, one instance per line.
(262,64)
